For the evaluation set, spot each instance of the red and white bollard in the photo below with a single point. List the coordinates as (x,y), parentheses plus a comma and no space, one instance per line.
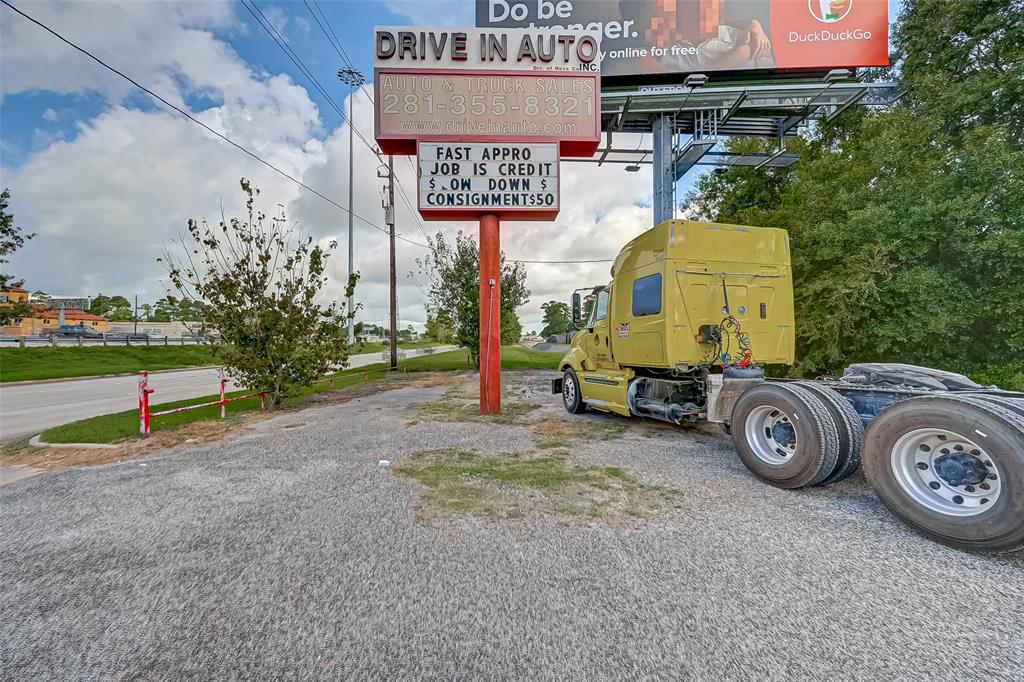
(144,391)
(223,383)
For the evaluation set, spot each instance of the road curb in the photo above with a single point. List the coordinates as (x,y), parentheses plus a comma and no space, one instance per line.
(37,442)
(61,380)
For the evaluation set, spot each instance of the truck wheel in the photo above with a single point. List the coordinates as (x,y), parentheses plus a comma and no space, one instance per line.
(952,468)
(848,425)
(1012,404)
(784,435)
(572,396)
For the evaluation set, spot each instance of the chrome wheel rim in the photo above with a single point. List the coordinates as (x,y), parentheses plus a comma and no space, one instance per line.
(569,391)
(946,472)
(770,434)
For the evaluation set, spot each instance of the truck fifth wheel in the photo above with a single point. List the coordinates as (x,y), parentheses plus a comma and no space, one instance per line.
(680,334)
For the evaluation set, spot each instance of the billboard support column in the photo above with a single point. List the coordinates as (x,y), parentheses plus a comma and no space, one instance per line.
(490,314)
(663,172)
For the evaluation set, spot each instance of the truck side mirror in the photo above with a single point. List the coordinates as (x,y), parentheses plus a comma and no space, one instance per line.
(576,309)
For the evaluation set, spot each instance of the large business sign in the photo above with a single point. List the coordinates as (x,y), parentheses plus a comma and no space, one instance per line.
(517,181)
(641,38)
(516,85)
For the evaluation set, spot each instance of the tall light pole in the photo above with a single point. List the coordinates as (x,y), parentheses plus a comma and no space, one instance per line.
(353,78)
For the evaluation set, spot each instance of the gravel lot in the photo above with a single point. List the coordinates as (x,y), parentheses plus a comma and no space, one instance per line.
(288,554)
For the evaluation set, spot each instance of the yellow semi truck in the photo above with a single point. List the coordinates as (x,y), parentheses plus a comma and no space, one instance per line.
(681,333)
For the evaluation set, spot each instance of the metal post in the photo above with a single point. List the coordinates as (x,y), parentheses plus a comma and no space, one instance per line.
(390,213)
(490,314)
(353,78)
(136,313)
(351,208)
(663,172)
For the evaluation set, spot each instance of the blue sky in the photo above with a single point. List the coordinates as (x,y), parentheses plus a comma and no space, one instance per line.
(108,178)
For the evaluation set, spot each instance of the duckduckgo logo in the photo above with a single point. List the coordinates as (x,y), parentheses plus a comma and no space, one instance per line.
(829,11)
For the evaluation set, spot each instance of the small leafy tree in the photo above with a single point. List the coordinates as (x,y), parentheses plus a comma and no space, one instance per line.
(453,270)
(258,281)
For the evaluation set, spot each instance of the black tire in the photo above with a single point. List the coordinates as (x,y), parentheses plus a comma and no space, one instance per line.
(816,449)
(572,395)
(1012,404)
(848,425)
(998,434)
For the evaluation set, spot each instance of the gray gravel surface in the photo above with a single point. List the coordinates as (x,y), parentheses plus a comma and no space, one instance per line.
(288,554)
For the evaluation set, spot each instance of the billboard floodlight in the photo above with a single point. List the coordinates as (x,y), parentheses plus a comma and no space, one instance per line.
(695,80)
(837,75)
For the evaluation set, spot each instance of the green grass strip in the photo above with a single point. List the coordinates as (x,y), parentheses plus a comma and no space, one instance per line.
(27,364)
(110,428)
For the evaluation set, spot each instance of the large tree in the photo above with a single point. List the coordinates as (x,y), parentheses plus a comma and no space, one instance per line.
(453,271)
(557,318)
(440,327)
(259,281)
(11,239)
(907,226)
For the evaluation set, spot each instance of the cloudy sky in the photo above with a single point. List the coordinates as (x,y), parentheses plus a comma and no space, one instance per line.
(106,176)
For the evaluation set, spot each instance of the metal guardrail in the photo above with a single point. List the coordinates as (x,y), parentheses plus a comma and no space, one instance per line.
(107,340)
(146,415)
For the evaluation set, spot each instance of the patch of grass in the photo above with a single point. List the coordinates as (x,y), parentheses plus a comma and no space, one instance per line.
(25,364)
(450,409)
(564,432)
(507,486)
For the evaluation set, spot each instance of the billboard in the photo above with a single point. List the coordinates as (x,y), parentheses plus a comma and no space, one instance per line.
(513,85)
(644,38)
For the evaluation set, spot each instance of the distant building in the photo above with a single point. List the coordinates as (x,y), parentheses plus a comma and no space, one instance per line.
(13,295)
(44,317)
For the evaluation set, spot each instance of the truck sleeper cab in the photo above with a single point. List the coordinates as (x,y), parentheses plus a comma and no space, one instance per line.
(680,333)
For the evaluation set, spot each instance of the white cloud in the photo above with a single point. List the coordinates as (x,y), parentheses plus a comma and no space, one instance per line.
(50,115)
(106,200)
(163,44)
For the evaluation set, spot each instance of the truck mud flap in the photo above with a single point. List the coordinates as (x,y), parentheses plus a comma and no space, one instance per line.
(556,386)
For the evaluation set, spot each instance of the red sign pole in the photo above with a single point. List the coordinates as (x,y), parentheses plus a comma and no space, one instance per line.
(490,314)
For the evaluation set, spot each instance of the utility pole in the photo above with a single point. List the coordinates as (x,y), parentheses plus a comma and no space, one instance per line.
(389,218)
(353,78)
(137,314)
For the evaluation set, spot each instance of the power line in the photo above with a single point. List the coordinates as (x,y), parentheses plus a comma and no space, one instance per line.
(195,120)
(301,65)
(335,43)
(562,262)
(241,148)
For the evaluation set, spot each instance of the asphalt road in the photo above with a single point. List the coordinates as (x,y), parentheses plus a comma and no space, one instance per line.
(28,409)
(289,554)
